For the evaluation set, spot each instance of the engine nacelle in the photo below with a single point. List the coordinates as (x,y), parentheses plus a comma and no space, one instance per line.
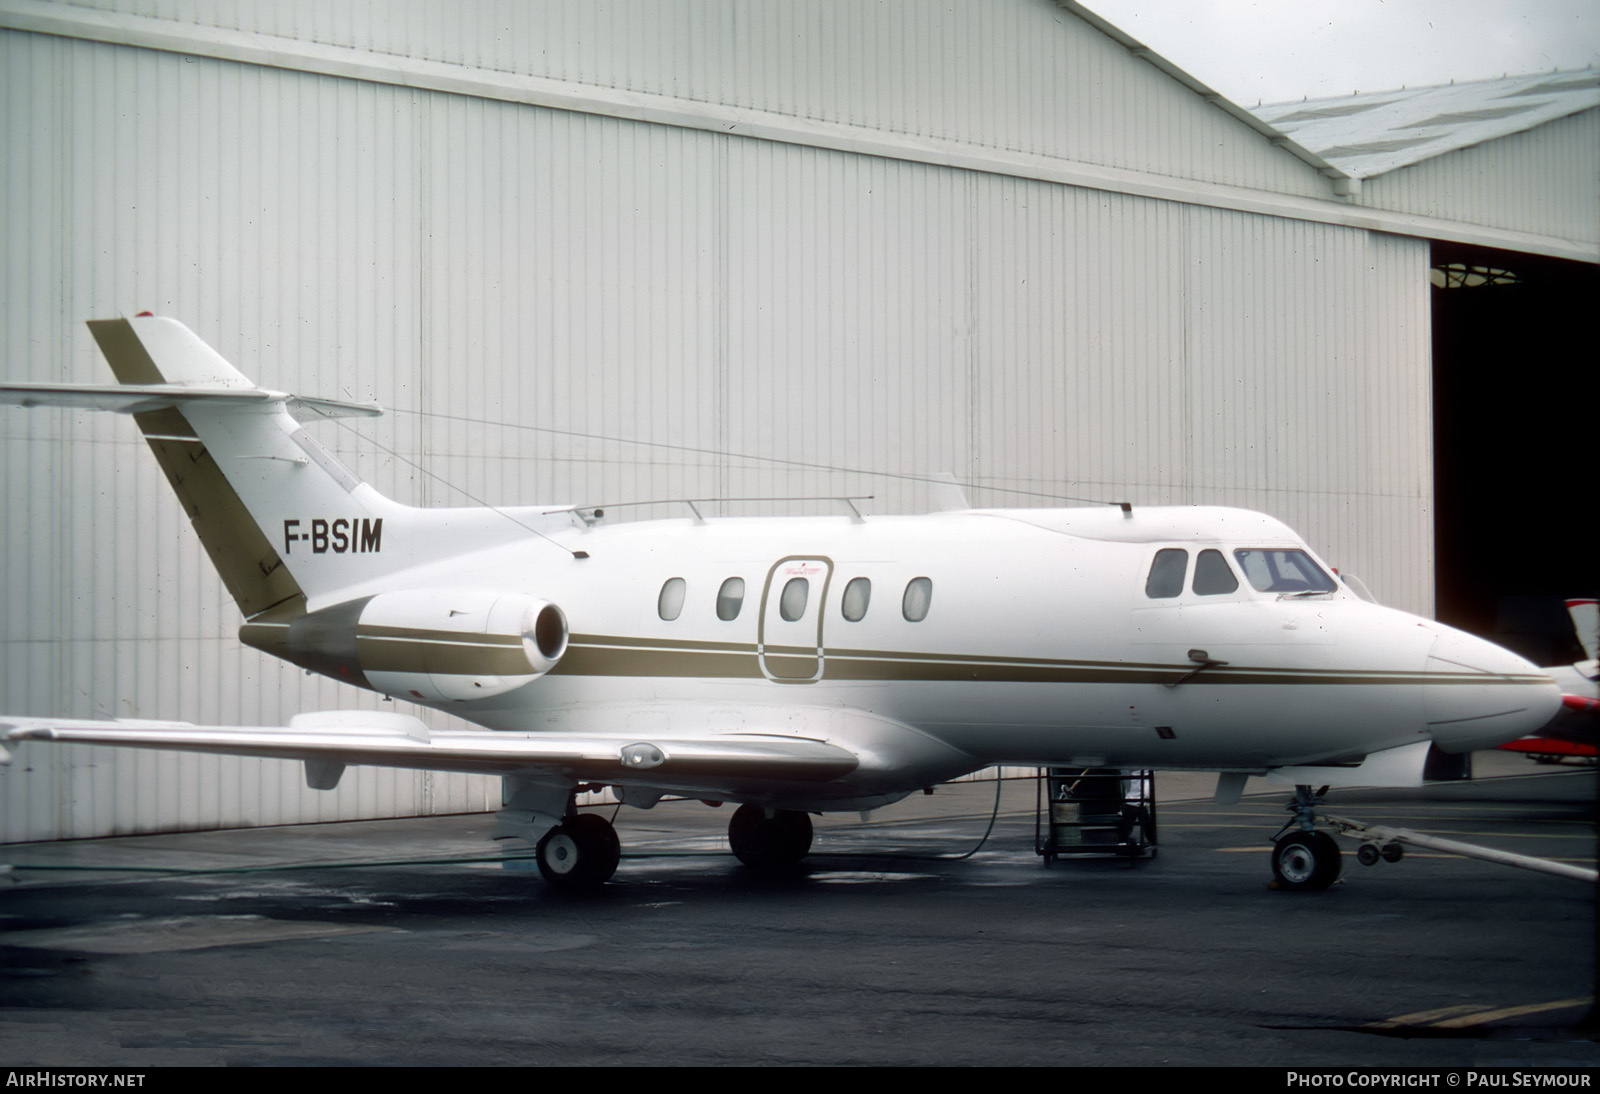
(435,645)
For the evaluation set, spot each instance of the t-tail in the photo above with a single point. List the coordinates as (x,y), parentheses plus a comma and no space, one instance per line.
(272,507)
(303,545)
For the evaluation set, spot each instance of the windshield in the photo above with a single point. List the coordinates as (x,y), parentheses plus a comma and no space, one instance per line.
(1277,570)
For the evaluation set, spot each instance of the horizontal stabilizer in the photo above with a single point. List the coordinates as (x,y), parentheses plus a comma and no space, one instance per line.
(142,398)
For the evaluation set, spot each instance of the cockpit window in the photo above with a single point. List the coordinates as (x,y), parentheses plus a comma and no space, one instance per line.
(1212,577)
(1271,570)
(1166,574)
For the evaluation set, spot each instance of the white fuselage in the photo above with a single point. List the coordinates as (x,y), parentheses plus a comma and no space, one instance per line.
(1040,644)
(789,664)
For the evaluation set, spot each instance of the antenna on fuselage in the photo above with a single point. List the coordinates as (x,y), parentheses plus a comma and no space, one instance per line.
(578,555)
(1126,507)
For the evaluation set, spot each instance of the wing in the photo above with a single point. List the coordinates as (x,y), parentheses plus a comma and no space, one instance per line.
(329,741)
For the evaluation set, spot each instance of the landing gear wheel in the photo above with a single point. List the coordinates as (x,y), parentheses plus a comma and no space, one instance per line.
(1393,852)
(1305,861)
(1368,854)
(769,843)
(581,852)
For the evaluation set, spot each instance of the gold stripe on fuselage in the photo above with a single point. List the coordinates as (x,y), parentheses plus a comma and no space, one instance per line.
(607,655)
(453,653)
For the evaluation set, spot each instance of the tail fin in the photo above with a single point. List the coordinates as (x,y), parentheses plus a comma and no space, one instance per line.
(1586,621)
(286,524)
(242,467)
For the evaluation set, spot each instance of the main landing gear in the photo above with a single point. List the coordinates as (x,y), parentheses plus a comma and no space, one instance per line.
(581,852)
(769,839)
(1304,859)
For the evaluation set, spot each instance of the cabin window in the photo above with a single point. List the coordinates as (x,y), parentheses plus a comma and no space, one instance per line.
(1166,574)
(919,595)
(730,598)
(1212,576)
(1283,571)
(857,595)
(792,604)
(669,605)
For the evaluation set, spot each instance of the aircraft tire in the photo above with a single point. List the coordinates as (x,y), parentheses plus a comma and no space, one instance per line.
(581,852)
(1305,862)
(769,843)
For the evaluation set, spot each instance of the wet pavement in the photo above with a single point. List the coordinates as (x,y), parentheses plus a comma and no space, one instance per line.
(395,942)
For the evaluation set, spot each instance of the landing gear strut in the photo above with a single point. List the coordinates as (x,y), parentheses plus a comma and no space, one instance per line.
(769,842)
(1304,859)
(581,852)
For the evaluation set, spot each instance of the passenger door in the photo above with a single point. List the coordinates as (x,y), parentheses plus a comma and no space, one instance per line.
(789,640)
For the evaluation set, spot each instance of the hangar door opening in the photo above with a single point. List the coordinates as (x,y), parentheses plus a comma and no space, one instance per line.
(1514,406)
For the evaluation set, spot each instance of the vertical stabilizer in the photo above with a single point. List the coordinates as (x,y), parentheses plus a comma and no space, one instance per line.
(133,347)
(1586,621)
(289,527)
(255,486)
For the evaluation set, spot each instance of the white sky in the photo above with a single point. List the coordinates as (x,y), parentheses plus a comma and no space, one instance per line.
(1278,50)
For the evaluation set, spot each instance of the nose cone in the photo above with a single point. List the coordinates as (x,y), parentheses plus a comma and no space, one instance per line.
(1479,695)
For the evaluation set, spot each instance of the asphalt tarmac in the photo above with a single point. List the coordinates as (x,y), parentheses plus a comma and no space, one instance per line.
(390,943)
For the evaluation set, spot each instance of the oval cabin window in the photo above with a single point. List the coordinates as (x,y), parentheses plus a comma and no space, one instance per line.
(669,605)
(730,598)
(919,595)
(792,604)
(857,595)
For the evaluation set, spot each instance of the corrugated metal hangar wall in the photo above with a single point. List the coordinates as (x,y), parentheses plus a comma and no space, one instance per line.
(667,250)
(1514,160)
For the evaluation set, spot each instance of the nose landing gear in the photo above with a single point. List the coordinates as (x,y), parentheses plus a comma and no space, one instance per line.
(1304,859)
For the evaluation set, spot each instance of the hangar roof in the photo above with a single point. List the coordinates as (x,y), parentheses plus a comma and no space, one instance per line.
(1371,133)
(1014,89)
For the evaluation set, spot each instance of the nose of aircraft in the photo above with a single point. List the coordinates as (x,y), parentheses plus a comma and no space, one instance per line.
(1480,695)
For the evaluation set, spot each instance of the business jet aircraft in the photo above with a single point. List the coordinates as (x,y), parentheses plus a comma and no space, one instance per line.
(793,665)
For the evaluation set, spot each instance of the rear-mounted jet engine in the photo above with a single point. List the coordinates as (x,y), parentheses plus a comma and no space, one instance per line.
(429,644)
